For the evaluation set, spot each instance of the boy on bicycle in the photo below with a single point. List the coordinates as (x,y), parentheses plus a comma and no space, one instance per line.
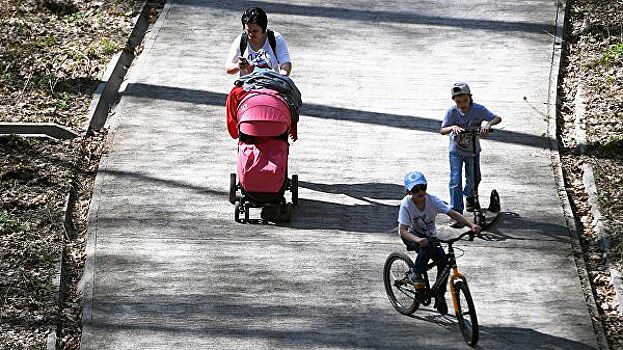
(416,219)
(465,115)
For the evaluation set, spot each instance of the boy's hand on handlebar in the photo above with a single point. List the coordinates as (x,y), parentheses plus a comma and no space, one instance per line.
(423,242)
(485,129)
(456,129)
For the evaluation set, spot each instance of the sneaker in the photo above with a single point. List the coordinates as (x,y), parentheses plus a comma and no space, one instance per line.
(417,280)
(456,224)
(470,204)
(440,305)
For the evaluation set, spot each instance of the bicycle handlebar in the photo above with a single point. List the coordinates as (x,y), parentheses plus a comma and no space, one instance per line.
(452,240)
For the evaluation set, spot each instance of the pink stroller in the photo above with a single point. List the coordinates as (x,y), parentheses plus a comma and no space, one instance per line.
(264,123)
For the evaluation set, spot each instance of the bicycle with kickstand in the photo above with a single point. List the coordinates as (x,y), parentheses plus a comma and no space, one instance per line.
(406,299)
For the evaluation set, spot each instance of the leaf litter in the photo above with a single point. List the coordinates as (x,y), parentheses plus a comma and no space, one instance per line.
(52,57)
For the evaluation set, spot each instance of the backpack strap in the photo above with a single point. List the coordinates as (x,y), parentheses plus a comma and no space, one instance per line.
(244,41)
(272,41)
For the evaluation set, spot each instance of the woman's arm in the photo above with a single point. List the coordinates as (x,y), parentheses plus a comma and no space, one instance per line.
(235,67)
(285,68)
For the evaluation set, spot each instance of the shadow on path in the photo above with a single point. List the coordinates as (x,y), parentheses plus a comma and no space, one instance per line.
(500,337)
(507,223)
(327,112)
(211,317)
(166,182)
(359,14)
(373,217)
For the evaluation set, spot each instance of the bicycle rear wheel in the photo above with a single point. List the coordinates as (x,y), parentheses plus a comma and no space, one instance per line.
(466,313)
(398,286)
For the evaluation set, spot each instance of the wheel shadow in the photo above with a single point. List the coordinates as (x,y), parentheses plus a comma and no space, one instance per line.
(512,226)
(502,337)
(371,214)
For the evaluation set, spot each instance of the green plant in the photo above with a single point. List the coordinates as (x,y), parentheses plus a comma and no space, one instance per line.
(108,46)
(46,81)
(73,17)
(8,223)
(47,41)
(614,52)
(10,79)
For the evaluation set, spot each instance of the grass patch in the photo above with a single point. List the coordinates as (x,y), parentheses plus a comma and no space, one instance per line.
(109,47)
(8,223)
(614,53)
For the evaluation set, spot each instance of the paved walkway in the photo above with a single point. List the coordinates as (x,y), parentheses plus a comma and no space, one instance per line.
(168,267)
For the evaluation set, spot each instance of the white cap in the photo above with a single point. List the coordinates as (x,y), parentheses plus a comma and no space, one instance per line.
(460,88)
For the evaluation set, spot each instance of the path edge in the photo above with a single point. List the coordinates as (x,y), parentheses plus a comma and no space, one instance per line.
(88,276)
(553,104)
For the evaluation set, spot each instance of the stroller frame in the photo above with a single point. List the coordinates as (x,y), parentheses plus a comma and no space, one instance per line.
(281,209)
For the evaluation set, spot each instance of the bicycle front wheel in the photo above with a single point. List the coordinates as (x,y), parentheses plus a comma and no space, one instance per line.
(398,286)
(466,313)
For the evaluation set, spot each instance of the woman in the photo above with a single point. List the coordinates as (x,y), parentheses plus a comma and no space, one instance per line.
(257,43)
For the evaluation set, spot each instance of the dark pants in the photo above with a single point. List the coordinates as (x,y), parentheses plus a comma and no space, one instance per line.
(424,255)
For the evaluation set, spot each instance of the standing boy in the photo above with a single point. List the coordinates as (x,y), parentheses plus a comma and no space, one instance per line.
(465,115)
(416,219)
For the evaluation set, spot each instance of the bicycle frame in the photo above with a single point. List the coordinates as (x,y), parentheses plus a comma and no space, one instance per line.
(451,271)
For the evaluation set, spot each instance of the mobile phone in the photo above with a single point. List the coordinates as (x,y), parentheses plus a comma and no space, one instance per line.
(243,59)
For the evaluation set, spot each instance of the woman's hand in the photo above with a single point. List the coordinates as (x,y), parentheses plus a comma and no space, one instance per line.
(244,65)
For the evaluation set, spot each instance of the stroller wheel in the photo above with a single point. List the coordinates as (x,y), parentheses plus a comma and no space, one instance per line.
(246,213)
(294,188)
(237,212)
(285,212)
(289,211)
(232,188)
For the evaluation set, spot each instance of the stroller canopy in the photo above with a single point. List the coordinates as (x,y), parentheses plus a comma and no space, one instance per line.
(263,113)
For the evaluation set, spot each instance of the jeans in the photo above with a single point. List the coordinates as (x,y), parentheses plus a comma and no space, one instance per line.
(456,179)
(424,254)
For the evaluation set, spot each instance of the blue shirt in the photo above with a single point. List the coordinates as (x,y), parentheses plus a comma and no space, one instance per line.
(461,144)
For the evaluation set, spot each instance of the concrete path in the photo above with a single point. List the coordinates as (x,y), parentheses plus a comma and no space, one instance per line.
(168,268)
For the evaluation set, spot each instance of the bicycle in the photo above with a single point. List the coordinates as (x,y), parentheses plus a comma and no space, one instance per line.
(406,299)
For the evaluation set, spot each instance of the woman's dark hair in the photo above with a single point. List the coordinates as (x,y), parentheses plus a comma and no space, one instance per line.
(255,15)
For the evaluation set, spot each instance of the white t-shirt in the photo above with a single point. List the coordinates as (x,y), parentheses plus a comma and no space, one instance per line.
(422,222)
(281,56)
